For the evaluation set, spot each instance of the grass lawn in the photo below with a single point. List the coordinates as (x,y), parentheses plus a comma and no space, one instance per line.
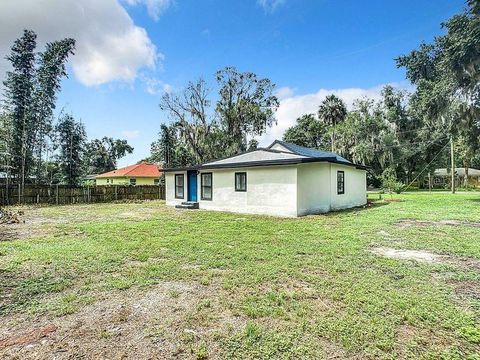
(143,280)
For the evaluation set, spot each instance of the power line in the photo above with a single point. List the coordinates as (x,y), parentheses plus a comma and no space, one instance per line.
(420,173)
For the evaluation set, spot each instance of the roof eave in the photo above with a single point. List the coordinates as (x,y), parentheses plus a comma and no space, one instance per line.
(265,163)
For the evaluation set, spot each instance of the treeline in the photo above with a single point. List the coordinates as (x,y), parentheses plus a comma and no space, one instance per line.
(402,137)
(34,147)
(406,135)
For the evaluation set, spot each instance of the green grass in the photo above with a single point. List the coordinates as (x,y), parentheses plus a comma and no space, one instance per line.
(307,287)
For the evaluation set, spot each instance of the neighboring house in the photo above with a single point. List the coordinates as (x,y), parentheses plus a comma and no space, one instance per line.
(442,177)
(143,173)
(89,179)
(283,179)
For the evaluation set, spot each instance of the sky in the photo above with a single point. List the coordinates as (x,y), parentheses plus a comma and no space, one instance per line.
(130,52)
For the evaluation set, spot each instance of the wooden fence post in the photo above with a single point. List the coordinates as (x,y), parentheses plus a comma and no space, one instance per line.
(56,195)
(116,195)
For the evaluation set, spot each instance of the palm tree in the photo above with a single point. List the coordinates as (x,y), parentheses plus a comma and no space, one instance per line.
(332,111)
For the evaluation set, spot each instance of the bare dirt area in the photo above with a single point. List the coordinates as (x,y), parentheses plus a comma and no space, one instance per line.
(171,320)
(427,257)
(410,223)
(417,255)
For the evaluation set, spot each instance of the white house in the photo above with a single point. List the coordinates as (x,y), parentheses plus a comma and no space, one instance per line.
(283,180)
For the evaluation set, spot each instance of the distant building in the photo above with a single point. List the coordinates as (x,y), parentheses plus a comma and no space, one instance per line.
(442,177)
(143,173)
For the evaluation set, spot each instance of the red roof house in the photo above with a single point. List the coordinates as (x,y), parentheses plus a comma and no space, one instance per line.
(143,173)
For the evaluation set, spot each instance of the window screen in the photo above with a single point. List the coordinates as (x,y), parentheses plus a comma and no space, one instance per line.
(241,181)
(340,182)
(179,186)
(206,186)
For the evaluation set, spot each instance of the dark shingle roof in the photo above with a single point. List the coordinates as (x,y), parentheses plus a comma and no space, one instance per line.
(314,153)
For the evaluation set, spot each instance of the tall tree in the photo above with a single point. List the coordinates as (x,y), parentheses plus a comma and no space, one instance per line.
(309,132)
(19,87)
(50,71)
(101,155)
(246,106)
(71,138)
(332,111)
(189,111)
(30,94)
(169,149)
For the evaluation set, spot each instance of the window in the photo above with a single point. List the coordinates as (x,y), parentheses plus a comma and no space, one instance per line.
(241,181)
(108,181)
(133,181)
(340,182)
(179,186)
(156,181)
(206,186)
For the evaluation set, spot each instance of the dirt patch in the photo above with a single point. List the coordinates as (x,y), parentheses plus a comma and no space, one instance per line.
(417,255)
(427,257)
(467,289)
(410,223)
(28,338)
(167,321)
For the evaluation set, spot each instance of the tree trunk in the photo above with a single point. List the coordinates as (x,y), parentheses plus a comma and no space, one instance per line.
(452,150)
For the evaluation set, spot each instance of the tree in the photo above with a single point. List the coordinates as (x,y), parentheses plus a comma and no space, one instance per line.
(49,74)
(169,150)
(189,111)
(101,155)
(71,137)
(332,111)
(30,95)
(309,132)
(244,109)
(246,106)
(19,87)
(446,75)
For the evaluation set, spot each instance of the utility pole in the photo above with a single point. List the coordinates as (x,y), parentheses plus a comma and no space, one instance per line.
(452,151)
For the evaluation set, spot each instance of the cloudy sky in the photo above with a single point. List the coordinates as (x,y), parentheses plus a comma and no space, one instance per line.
(129,52)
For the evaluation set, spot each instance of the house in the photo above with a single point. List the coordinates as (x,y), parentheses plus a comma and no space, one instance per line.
(283,180)
(442,177)
(143,173)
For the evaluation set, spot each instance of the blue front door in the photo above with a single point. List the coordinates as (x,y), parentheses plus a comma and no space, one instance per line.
(192,186)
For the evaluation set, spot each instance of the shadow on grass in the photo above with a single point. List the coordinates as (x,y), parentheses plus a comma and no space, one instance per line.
(371,205)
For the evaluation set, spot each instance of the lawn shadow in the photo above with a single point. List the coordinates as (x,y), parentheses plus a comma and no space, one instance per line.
(369,206)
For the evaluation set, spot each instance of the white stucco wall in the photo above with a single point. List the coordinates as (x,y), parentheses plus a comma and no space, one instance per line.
(313,188)
(355,187)
(287,190)
(271,190)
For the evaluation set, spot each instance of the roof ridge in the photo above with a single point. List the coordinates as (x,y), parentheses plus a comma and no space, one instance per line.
(134,166)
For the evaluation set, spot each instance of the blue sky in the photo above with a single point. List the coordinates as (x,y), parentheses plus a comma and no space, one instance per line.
(130,51)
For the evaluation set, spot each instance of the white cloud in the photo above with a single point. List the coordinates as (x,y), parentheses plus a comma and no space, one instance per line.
(155,8)
(284,92)
(110,47)
(131,134)
(155,86)
(269,6)
(293,107)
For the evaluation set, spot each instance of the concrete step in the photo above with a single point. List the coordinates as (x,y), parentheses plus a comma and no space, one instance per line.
(187,205)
